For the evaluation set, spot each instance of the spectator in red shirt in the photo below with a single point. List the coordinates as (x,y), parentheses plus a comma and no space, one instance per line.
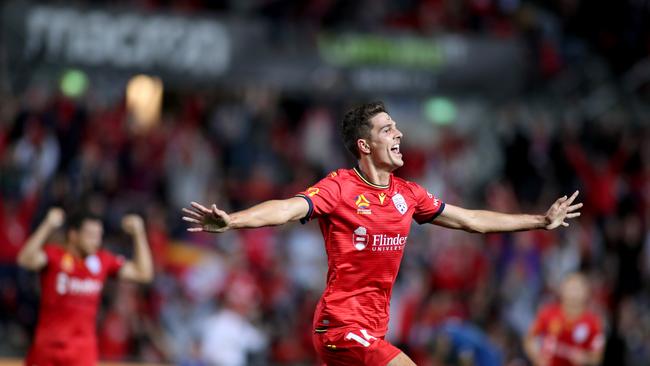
(567,333)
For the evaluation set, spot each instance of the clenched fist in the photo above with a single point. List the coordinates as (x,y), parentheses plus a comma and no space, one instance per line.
(55,217)
(133,224)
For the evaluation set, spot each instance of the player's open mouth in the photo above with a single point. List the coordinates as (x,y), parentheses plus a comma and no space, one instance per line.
(395,150)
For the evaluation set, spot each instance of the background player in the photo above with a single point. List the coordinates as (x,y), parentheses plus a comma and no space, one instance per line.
(365,215)
(71,278)
(567,333)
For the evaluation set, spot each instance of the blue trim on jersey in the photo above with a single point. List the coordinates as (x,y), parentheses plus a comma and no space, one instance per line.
(311,209)
(442,208)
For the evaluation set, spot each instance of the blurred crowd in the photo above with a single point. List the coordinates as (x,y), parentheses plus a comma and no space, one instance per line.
(247,297)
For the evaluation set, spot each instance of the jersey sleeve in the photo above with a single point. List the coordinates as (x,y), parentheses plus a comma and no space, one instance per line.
(53,253)
(113,263)
(428,206)
(322,197)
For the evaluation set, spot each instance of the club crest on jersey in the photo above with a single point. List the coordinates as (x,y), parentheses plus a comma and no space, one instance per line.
(363,205)
(580,333)
(400,203)
(360,238)
(93,264)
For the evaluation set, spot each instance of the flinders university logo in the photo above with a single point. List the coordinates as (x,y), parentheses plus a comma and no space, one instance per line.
(387,243)
(363,205)
(400,203)
(378,242)
(360,238)
(67,284)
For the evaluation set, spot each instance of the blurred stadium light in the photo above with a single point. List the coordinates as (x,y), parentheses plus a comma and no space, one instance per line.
(144,100)
(74,83)
(440,110)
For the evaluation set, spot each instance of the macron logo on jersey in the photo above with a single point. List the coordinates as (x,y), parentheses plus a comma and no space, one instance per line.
(66,284)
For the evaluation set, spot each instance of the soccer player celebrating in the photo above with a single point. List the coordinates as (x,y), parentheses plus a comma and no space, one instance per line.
(365,215)
(72,277)
(567,333)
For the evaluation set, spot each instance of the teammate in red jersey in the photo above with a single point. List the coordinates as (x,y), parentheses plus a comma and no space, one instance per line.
(567,333)
(72,277)
(365,214)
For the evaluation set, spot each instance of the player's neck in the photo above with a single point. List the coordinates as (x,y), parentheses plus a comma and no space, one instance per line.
(74,250)
(373,174)
(572,312)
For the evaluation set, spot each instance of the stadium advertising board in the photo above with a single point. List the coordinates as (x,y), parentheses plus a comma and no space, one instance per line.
(187,50)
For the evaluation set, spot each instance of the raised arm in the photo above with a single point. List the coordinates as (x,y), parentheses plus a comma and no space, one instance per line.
(140,269)
(268,213)
(481,221)
(32,256)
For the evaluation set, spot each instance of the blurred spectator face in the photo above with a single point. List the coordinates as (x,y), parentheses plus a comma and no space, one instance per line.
(632,230)
(574,292)
(88,237)
(242,294)
(384,142)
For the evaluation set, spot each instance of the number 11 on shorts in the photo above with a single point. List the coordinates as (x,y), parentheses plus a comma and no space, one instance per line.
(355,337)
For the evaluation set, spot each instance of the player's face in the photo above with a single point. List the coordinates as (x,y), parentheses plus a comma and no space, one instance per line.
(89,236)
(385,141)
(575,292)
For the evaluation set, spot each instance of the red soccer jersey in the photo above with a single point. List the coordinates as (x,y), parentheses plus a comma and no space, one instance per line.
(365,227)
(70,294)
(561,336)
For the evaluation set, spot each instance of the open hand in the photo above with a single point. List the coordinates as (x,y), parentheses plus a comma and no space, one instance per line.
(561,210)
(204,219)
(132,224)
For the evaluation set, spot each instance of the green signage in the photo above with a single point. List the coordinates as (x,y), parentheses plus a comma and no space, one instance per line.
(365,50)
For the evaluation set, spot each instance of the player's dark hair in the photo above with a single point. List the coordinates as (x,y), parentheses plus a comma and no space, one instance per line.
(356,124)
(77,218)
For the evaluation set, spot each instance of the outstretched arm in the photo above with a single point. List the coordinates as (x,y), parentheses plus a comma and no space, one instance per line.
(140,269)
(32,256)
(269,213)
(481,221)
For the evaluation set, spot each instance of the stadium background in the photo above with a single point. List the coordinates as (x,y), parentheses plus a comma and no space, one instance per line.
(504,104)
